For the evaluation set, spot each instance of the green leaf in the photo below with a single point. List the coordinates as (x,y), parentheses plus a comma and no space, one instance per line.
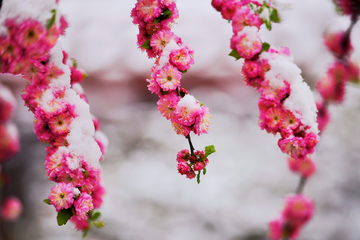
(209,150)
(198,177)
(183,71)
(229,21)
(95,216)
(47,201)
(86,173)
(63,216)
(85,233)
(261,10)
(268,25)
(274,16)
(265,47)
(266,5)
(235,54)
(166,14)
(146,44)
(85,75)
(163,92)
(99,224)
(204,171)
(51,21)
(74,62)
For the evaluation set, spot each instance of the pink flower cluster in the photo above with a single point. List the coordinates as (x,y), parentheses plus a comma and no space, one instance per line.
(297,212)
(173,58)
(332,86)
(278,86)
(188,164)
(26,40)
(9,136)
(62,116)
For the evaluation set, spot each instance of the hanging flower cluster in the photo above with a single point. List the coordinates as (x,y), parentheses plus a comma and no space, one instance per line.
(286,105)
(298,210)
(9,136)
(332,86)
(11,206)
(62,116)
(173,58)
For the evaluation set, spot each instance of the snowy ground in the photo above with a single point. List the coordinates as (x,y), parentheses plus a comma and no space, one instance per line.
(247,177)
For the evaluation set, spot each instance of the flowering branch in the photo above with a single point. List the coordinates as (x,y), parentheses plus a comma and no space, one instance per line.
(173,58)
(29,46)
(286,106)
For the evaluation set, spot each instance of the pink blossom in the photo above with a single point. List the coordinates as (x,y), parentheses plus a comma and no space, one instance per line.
(187,109)
(76,75)
(182,58)
(288,120)
(168,78)
(62,196)
(276,229)
(167,104)
(247,43)
(203,121)
(9,141)
(35,72)
(160,39)
(80,224)
(60,124)
(217,4)
(63,25)
(97,195)
(251,69)
(29,33)
(335,43)
(198,166)
(190,175)
(305,168)
(323,116)
(273,117)
(83,205)
(294,147)
(183,168)
(180,129)
(9,50)
(244,17)
(298,210)
(146,10)
(348,7)
(7,104)
(228,8)
(183,155)
(11,209)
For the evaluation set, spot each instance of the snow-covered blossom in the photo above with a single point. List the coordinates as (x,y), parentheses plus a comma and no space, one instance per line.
(29,46)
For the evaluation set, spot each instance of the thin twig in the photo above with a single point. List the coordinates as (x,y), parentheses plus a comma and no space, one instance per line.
(191,145)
